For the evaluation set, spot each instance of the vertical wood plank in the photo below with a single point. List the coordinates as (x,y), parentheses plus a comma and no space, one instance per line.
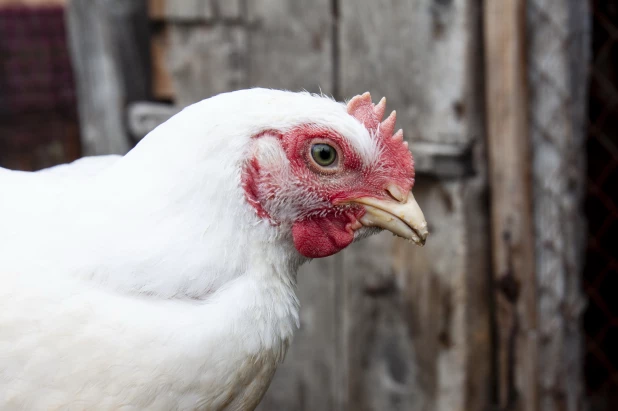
(156,9)
(511,205)
(291,44)
(417,320)
(100,86)
(129,36)
(162,87)
(416,53)
(206,60)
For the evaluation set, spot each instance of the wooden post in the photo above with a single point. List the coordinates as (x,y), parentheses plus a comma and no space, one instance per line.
(511,205)
(107,40)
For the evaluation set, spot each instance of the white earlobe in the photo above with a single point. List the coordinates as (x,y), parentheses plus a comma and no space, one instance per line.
(268,151)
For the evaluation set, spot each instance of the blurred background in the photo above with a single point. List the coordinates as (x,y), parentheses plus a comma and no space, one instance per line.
(511,111)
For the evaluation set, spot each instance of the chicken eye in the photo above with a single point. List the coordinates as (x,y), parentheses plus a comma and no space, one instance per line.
(323,154)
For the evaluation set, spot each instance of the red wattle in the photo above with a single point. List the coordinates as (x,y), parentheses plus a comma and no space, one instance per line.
(321,237)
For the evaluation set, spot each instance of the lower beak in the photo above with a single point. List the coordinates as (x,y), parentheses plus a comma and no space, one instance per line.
(404,218)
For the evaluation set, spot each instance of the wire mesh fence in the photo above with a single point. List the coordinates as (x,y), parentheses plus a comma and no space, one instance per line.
(557,52)
(38,116)
(601,270)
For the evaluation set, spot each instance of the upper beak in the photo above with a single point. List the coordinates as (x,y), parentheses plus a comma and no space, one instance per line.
(403,218)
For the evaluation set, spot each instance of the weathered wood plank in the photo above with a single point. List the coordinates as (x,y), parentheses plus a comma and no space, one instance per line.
(206,60)
(291,44)
(100,86)
(420,338)
(417,54)
(416,340)
(443,160)
(129,36)
(511,205)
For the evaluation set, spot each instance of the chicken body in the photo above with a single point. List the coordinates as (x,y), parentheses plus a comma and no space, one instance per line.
(73,349)
(165,279)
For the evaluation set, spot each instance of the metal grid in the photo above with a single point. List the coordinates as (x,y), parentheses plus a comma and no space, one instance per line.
(601,270)
(557,54)
(38,116)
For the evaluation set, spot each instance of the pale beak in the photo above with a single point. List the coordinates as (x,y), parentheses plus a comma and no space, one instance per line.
(403,218)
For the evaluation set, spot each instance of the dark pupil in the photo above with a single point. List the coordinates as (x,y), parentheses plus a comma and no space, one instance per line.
(324,154)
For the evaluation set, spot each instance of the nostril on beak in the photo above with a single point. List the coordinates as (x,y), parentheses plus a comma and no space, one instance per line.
(396,193)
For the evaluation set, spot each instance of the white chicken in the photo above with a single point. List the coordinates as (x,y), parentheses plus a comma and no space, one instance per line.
(165,279)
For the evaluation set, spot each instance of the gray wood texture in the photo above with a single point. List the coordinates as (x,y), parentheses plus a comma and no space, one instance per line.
(206,60)
(109,44)
(291,44)
(418,54)
(129,36)
(443,160)
(100,86)
(416,320)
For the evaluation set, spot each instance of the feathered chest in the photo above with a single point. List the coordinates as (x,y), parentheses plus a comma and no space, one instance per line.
(81,348)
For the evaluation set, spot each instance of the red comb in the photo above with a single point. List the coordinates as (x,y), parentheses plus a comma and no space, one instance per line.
(370,115)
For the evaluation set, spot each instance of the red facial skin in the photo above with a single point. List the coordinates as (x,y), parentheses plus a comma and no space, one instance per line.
(323,230)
